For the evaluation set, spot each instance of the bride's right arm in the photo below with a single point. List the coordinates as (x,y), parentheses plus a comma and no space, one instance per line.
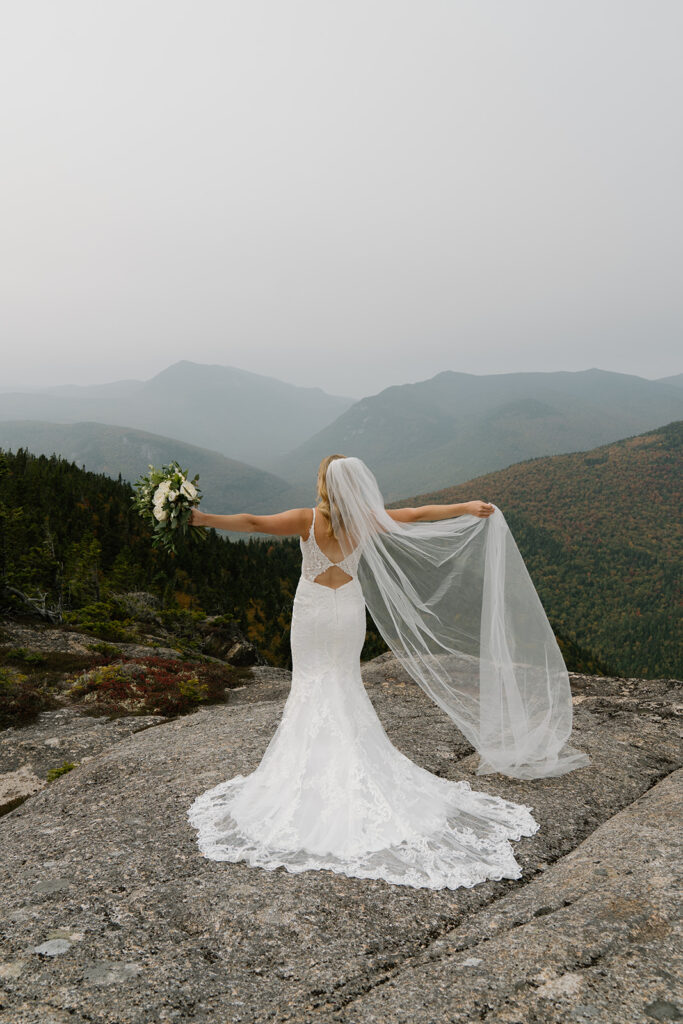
(283,524)
(431,513)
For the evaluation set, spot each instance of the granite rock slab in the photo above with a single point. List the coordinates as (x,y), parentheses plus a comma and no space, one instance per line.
(105,860)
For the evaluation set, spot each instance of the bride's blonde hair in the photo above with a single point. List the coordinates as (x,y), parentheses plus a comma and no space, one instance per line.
(324,504)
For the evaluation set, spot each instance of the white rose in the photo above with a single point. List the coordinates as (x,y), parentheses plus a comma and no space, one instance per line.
(161,492)
(160,513)
(171,495)
(189,490)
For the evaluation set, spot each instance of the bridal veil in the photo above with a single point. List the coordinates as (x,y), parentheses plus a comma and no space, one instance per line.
(455,603)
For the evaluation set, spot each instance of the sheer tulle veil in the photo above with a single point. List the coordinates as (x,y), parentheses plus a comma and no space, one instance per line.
(455,603)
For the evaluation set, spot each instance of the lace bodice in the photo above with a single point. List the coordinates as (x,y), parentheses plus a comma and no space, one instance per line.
(315,561)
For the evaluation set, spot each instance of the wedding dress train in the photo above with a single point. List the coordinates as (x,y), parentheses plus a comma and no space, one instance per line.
(332,792)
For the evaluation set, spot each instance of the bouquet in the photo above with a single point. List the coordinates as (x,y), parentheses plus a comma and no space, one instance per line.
(165,498)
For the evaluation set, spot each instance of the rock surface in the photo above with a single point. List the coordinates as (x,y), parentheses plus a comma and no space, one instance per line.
(220,641)
(227,642)
(28,752)
(42,638)
(109,913)
(15,787)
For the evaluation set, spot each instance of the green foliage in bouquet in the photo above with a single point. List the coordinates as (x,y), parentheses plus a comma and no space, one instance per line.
(165,499)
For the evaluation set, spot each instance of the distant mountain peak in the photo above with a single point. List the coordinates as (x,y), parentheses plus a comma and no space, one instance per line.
(186,369)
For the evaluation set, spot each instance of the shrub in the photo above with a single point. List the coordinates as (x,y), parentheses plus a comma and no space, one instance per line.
(108,650)
(23,655)
(105,628)
(192,689)
(181,621)
(55,663)
(187,647)
(150,686)
(105,619)
(20,698)
(54,773)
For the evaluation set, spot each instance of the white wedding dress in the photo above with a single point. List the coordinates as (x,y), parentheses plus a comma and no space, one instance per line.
(332,792)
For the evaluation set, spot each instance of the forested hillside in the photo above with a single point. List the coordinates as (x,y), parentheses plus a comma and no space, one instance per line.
(69,543)
(227,485)
(601,535)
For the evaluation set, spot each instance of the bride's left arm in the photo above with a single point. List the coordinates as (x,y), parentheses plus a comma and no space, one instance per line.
(282,524)
(431,513)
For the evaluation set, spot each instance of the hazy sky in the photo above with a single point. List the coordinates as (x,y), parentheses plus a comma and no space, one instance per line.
(345,194)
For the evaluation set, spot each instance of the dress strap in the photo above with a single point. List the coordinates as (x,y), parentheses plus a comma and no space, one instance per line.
(311,535)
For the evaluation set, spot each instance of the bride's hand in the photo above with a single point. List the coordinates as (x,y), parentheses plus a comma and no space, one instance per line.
(196,517)
(482,509)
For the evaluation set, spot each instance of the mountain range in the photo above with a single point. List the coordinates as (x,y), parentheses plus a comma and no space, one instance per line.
(246,416)
(457,426)
(257,441)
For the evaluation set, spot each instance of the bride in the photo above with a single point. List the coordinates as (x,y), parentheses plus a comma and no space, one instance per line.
(449,592)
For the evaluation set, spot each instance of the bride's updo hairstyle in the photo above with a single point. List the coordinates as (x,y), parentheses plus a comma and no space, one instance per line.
(324,506)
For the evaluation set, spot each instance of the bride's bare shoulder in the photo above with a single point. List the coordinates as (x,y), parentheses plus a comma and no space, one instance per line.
(304,521)
(307,520)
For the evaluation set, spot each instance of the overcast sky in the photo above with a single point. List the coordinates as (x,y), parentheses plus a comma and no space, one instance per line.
(348,194)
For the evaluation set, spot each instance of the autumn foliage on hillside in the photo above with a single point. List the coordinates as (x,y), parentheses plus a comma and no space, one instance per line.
(602,537)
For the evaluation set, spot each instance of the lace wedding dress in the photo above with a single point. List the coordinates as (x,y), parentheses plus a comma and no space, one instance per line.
(332,792)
